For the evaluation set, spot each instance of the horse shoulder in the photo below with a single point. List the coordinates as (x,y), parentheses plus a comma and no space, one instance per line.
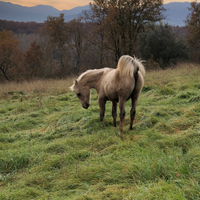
(107,88)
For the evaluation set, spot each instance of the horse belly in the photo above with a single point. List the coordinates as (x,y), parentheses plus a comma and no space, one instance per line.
(112,97)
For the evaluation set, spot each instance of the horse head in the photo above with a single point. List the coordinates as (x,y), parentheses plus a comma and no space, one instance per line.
(82,92)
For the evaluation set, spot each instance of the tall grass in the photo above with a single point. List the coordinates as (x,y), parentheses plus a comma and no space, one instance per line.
(49,86)
(51,148)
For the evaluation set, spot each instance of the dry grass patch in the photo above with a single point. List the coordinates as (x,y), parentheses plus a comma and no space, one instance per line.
(50,86)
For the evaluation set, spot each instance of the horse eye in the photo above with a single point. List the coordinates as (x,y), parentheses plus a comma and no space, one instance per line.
(79,94)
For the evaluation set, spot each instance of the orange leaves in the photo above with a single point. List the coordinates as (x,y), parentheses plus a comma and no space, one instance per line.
(33,60)
(9,49)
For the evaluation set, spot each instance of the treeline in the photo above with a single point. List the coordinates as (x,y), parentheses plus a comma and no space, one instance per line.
(21,27)
(110,29)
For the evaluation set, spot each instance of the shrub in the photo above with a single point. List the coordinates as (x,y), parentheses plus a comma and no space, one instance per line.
(160,43)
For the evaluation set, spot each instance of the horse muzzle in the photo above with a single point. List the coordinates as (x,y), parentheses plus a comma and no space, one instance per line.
(86,106)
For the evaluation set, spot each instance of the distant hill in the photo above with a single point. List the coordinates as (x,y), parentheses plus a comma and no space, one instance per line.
(14,12)
(175,15)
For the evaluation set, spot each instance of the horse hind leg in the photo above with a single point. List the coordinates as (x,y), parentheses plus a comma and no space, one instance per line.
(139,82)
(122,115)
(132,116)
(114,112)
(134,100)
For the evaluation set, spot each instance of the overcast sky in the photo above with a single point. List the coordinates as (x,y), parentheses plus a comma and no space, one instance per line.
(64,4)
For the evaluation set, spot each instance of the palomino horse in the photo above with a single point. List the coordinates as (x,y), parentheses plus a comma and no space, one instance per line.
(116,85)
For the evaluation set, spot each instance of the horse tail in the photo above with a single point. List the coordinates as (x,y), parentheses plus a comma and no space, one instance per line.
(129,66)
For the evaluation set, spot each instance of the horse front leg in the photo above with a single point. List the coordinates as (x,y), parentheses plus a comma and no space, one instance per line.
(114,112)
(122,115)
(102,106)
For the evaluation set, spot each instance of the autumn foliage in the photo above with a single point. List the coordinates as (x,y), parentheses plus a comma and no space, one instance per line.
(193,26)
(9,54)
(110,29)
(33,60)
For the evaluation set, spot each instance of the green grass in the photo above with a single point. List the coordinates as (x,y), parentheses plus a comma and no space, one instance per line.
(52,148)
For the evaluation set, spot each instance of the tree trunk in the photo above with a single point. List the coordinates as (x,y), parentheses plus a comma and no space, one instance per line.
(4,73)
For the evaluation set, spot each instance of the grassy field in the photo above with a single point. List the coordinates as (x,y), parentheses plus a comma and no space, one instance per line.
(52,148)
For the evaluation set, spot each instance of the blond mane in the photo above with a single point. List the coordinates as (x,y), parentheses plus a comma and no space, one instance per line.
(128,65)
(91,73)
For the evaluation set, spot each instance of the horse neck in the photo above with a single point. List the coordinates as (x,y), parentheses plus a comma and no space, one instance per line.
(91,77)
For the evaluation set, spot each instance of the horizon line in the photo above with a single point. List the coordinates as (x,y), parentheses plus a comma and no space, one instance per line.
(79,6)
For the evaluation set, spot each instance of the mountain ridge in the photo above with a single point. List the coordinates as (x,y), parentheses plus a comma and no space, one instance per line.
(176,12)
(39,13)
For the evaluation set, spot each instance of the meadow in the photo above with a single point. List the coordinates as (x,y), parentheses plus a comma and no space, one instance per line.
(52,148)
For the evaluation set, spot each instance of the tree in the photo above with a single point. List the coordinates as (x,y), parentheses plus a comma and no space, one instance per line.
(9,48)
(96,18)
(79,40)
(58,32)
(193,25)
(161,43)
(123,20)
(33,60)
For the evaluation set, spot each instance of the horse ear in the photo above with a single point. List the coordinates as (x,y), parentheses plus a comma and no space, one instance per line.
(75,82)
(74,85)
(72,88)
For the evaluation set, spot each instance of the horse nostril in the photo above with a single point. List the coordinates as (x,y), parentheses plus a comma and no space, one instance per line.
(86,105)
